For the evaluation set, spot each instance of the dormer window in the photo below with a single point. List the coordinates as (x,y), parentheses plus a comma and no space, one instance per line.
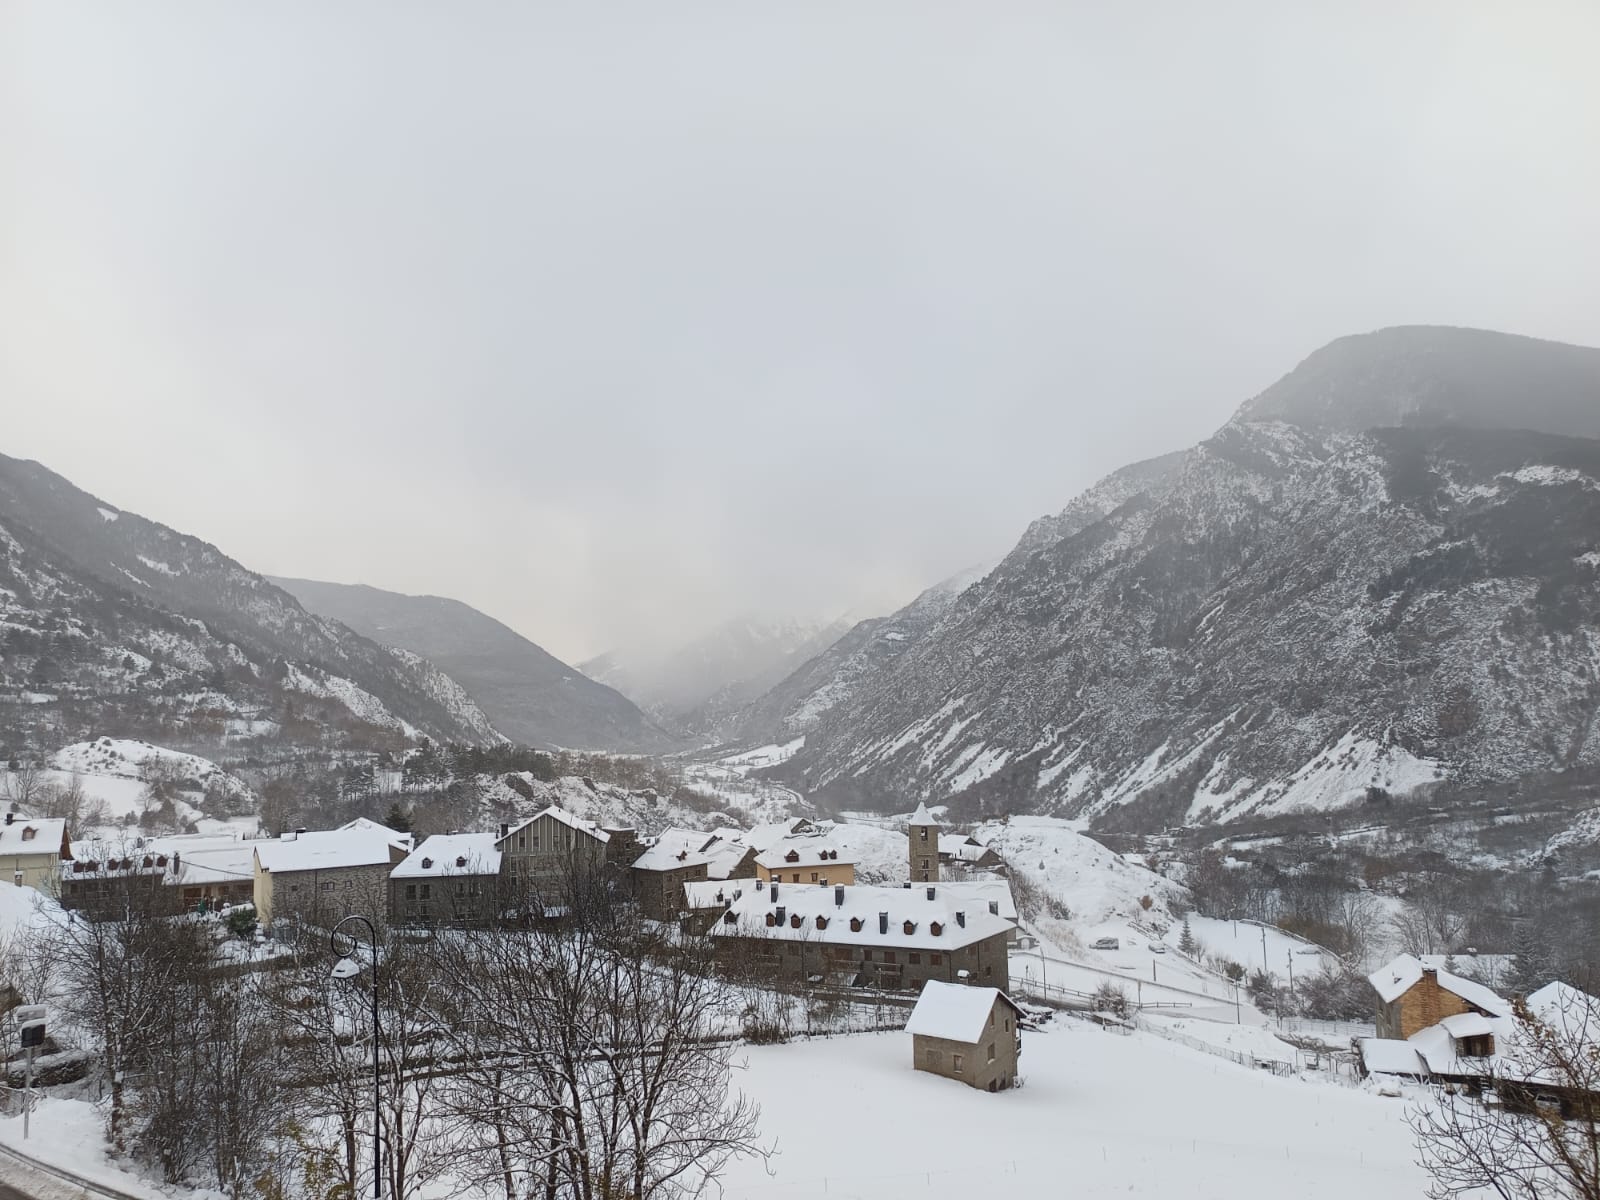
(910,927)
(28,833)
(792,857)
(771,920)
(794,921)
(822,922)
(935,928)
(855,924)
(427,864)
(461,860)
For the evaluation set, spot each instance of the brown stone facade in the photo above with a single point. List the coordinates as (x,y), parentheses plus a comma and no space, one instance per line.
(985,961)
(1422,1005)
(661,892)
(989,1064)
(324,896)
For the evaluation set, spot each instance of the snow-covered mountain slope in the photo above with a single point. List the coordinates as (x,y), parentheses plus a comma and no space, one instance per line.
(111,622)
(530,695)
(1286,617)
(698,685)
(799,700)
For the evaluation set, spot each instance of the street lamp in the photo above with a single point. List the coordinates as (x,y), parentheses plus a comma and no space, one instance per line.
(344,946)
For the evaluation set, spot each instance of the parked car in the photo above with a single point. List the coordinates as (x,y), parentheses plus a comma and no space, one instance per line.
(1106,944)
(1157,948)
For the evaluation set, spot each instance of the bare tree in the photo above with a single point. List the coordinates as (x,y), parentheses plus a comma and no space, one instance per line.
(1540,1139)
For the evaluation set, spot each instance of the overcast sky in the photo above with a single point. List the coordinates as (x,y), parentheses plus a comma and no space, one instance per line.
(615,320)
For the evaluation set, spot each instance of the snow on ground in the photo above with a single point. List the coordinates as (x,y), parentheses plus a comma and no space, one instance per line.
(1338,778)
(1097,884)
(70,1135)
(765,756)
(1242,941)
(1098,1115)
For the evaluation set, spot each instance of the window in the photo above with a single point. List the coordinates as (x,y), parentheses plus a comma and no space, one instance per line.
(427,890)
(797,876)
(935,960)
(1008,1024)
(536,841)
(328,887)
(990,1051)
(888,956)
(916,960)
(411,891)
(813,877)
(923,834)
(988,971)
(349,885)
(956,1061)
(924,864)
(866,956)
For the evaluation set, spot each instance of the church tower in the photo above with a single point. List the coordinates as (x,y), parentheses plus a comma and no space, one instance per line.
(924,849)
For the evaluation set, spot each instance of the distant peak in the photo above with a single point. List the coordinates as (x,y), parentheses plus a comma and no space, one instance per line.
(1434,375)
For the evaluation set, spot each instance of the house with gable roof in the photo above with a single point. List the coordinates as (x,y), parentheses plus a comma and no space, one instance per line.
(1412,997)
(677,857)
(969,1034)
(806,859)
(543,855)
(32,849)
(324,875)
(885,937)
(451,879)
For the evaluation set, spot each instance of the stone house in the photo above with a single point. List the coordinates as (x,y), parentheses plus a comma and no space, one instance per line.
(661,871)
(451,879)
(32,850)
(956,849)
(895,938)
(969,1034)
(1413,997)
(325,875)
(545,854)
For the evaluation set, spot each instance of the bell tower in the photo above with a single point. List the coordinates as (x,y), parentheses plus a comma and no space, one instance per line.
(924,846)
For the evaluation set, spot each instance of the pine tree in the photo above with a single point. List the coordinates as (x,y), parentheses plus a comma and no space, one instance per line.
(1186,943)
(398,820)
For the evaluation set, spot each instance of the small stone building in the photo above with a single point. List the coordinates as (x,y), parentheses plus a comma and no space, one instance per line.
(1413,997)
(923,849)
(969,1034)
(451,879)
(323,876)
(661,871)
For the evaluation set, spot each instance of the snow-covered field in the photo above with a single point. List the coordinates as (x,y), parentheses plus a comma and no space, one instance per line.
(1098,1115)
(1242,941)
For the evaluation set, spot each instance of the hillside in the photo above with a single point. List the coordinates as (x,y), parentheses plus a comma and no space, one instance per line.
(701,684)
(114,624)
(1288,617)
(531,696)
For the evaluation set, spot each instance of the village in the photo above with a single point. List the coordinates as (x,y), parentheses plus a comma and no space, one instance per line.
(980,996)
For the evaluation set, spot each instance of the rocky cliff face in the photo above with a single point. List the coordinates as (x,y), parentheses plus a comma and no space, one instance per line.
(1365,583)
(112,624)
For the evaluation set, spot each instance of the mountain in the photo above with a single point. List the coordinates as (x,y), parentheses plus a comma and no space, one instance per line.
(702,683)
(530,695)
(114,624)
(1370,582)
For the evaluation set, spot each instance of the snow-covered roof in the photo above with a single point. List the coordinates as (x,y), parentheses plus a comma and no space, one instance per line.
(715,893)
(230,863)
(808,851)
(922,816)
(566,818)
(32,835)
(838,904)
(724,858)
(954,1011)
(1391,1056)
(1463,1025)
(981,892)
(368,826)
(673,849)
(451,854)
(773,832)
(1399,976)
(322,850)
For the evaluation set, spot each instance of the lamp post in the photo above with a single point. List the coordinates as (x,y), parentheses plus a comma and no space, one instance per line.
(344,945)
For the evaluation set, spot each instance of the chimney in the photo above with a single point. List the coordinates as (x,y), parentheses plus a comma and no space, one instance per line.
(782,912)
(774,891)
(505,830)
(961,918)
(10,817)
(906,885)
(299,829)
(175,863)
(883,922)
(838,895)
(930,893)
(994,907)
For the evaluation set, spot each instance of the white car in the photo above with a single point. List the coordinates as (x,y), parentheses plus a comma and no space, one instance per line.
(1106,943)
(1157,948)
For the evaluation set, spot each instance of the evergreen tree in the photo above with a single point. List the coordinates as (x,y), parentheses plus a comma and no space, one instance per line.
(1186,943)
(398,819)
